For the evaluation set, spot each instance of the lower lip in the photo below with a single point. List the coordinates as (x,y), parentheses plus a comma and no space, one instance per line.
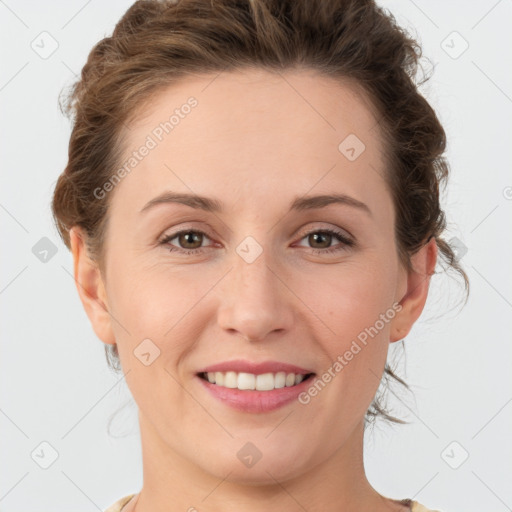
(256,401)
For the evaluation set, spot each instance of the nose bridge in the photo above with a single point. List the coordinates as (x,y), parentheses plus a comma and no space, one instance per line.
(255,278)
(254,300)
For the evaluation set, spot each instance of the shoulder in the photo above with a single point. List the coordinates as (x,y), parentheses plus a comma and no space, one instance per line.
(418,507)
(119,504)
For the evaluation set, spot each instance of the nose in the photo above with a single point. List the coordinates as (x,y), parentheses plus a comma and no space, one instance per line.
(255,301)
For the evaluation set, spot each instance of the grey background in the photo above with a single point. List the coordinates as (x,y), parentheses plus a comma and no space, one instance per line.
(55,384)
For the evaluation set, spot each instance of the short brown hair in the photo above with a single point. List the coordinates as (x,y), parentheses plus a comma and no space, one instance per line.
(157,43)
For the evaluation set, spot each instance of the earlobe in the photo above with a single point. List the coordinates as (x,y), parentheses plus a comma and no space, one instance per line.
(413,301)
(90,286)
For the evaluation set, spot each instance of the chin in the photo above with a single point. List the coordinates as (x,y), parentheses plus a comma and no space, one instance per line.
(260,477)
(259,471)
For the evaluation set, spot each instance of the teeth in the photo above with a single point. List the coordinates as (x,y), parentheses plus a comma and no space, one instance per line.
(246,381)
(230,380)
(218,378)
(249,381)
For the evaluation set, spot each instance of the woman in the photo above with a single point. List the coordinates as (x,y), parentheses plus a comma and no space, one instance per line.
(252,205)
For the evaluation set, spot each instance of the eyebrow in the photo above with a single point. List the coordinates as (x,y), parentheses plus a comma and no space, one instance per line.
(213,205)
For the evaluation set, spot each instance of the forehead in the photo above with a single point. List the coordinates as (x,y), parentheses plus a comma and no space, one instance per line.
(248,134)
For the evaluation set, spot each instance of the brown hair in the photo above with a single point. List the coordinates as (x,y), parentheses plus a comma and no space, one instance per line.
(157,43)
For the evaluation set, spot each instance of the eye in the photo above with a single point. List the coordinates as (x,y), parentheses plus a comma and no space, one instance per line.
(324,237)
(189,239)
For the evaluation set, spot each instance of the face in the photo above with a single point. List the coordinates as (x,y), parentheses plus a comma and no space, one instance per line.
(261,279)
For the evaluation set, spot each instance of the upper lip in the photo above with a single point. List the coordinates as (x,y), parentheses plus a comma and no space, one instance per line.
(240,365)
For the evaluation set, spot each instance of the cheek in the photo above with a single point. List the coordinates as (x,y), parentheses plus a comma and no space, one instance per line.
(356,296)
(359,302)
(158,303)
(155,328)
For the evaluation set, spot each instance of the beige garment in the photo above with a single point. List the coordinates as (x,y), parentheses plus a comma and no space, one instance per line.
(418,507)
(118,505)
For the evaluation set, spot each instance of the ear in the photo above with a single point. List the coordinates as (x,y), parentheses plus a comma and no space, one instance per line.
(416,290)
(90,286)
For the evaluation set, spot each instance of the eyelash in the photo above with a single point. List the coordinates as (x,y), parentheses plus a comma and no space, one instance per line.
(347,243)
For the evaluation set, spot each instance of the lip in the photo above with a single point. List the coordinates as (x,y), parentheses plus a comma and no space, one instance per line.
(252,401)
(241,365)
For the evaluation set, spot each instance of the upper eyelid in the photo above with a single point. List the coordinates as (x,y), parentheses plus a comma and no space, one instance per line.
(340,231)
(170,236)
(306,230)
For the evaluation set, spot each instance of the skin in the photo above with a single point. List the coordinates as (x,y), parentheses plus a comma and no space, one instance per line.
(255,142)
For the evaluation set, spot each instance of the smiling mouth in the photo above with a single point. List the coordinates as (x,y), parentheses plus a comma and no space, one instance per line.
(252,382)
